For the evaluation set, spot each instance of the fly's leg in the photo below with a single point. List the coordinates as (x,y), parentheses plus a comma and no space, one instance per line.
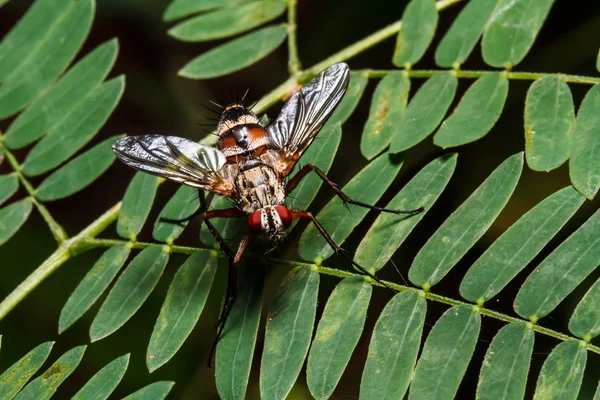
(200,210)
(291,185)
(339,250)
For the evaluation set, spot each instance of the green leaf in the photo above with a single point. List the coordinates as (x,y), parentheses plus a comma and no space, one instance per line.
(78,173)
(356,87)
(136,206)
(584,168)
(129,293)
(92,286)
(512,30)
(228,21)
(549,121)
(386,114)
(585,321)
(231,229)
(182,8)
(288,332)
(477,112)
(47,111)
(321,154)
(44,386)
(76,129)
(39,48)
(12,217)
(9,184)
(560,272)
(338,331)
(17,375)
(236,54)
(236,347)
(183,204)
(419,20)
(446,354)
(518,245)
(389,230)
(154,391)
(366,186)
(182,307)
(425,111)
(504,371)
(466,225)
(460,39)
(101,385)
(562,372)
(394,347)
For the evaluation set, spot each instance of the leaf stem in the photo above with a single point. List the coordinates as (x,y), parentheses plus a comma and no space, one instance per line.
(294,65)
(477,74)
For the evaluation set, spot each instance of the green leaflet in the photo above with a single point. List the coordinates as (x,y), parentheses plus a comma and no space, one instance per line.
(504,371)
(460,39)
(182,307)
(356,87)
(512,30)
(560,272)
(549,120)
(92,285)
(518,245)
(386,114)
(366,186)
(236,54)
(9,184)
(17,375)
(394,347)
(183,204)
(47,112)
(425,111)
(466,225)
(288,332)
(136,205)
(182,8)
(337,334)
(47,52)
(228,21)
(12,217)
(584,168)
(419,21)
(78,173)
(236,348)
(562,373)
(76,129)
(129,292)
(154,391)
(101,385)
(477,112)
(446,355)
(585,321)
(389,230)
(44,386)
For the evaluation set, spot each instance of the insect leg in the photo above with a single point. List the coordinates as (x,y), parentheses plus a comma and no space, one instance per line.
(291,185)
(339,250)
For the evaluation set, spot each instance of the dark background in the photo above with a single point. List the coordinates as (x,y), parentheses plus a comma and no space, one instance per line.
(156,100)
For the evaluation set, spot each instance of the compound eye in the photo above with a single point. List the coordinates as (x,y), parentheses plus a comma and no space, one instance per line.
(284,214)
(254,221)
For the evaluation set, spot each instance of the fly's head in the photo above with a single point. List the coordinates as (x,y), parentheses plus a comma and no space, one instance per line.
(271,222)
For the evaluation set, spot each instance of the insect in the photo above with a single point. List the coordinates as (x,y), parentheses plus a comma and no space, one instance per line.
(250,165)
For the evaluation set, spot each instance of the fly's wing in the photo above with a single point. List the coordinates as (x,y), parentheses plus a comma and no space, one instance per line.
(305,113)
(178,159)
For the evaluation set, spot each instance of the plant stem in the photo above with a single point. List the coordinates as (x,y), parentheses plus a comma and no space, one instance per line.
(294,64)
(477,74)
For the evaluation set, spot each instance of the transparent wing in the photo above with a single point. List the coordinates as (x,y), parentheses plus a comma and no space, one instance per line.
(306,112)
(177,159)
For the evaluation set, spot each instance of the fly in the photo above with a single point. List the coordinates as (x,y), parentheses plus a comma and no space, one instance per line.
(249,166)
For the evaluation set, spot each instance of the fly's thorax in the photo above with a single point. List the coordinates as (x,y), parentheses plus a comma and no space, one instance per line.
(240,133)
(258,186)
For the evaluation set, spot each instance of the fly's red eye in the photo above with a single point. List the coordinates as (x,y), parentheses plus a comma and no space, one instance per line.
(284,214)
(254,221)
